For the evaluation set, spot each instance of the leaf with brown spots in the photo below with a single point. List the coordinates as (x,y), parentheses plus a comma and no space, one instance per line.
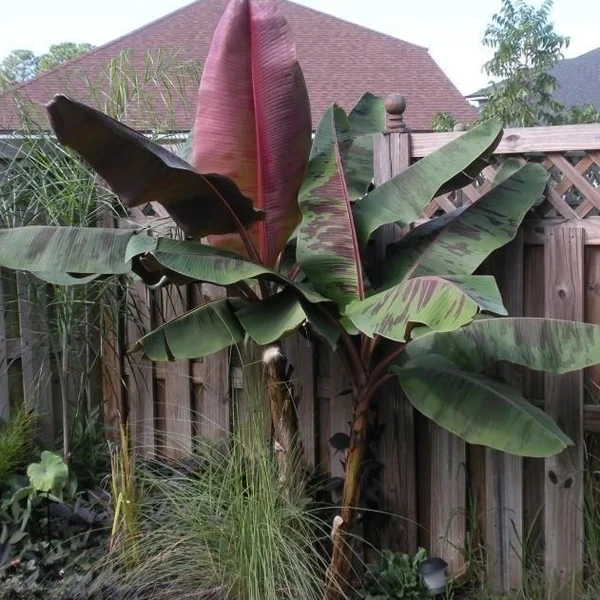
(404,197)
(457,243)
(441,304)
(541,344)
(327,247)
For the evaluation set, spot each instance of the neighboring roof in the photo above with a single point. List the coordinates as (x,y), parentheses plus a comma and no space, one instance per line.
(578,81)
(340,61)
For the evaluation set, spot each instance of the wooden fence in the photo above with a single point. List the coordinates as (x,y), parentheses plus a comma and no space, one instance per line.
(443,493)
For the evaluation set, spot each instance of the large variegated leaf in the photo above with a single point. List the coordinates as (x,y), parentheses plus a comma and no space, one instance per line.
(442,304)
(457,243)
(140,171)
(403,198)
(366,119)
(541,344)
(53,252)
(197,333)
(327,249)
(201,262)
(253,120)
(479,409)
(270,319)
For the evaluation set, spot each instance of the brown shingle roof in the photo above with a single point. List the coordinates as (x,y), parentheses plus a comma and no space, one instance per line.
(340,60)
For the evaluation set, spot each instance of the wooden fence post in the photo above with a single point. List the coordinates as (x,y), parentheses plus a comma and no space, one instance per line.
(397,444)
(563,481)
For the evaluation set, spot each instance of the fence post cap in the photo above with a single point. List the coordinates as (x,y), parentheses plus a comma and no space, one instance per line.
(395,105)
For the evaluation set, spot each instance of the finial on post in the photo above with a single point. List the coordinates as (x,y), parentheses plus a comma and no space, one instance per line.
(395,105)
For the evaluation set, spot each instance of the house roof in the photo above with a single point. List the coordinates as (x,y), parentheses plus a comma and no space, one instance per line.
(578,81)
(340,60)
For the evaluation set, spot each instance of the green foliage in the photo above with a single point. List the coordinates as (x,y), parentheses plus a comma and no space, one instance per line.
(395,577)
(223,524)
(18,66)
(50,475)
(61,53)
(21,65)
(16,441)
(47,536)
(526,47)
(443,121)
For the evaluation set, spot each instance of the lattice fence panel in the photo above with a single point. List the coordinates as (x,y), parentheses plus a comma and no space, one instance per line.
(573,190)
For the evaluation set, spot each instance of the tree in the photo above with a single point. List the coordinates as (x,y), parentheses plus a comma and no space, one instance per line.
(61,53)
(21,65)
(526,47)
(254,191)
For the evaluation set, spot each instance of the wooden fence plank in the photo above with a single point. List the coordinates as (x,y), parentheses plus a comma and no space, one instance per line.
(564,138)
(533,383)
(340,410)
(592,308)
(448,497)
(564,529)
(35,356)
(300,354)
(214,406)
(140,381)
(504,472)
(4,397)
(178,385)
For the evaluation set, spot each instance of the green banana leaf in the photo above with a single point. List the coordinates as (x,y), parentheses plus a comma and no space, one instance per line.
(202,262)
(457,243)
(442,304)
(541,344)
(202,331)
(403,198)
(327,249)
(54,252)
(366,119)
(479,409)
(268,320)
(272,318)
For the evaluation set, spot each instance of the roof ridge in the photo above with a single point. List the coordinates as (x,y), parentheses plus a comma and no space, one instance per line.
(86,55)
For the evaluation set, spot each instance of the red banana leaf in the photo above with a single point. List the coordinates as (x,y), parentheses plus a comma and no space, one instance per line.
(253,120)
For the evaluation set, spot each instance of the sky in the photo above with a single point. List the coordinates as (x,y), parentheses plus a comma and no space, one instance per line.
(450,29)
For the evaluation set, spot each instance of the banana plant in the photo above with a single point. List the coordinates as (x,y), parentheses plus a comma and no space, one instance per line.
(255,200)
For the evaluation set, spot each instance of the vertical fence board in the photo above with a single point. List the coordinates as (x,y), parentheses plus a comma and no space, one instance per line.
(504,472)
(178,385)
(140,389)
(592,309)
(35,357)
(214,417)
(533,384)
(299,352)
(448,497)
(4,388)
(564,529)
(340,410)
